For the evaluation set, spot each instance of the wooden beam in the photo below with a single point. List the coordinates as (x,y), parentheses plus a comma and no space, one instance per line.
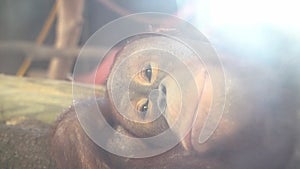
(68,30)
(46,52)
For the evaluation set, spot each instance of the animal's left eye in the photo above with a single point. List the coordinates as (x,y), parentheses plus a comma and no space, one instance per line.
(143,107)
(148,73)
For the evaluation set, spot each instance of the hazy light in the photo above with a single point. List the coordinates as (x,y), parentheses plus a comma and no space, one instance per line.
(253,28)
(283,14)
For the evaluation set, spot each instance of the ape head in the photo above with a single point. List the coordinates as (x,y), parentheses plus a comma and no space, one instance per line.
(158,88)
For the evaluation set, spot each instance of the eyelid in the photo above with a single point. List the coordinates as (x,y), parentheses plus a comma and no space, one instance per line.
(141,77)
(141,102)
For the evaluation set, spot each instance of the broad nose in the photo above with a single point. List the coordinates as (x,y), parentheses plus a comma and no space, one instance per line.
(158,99)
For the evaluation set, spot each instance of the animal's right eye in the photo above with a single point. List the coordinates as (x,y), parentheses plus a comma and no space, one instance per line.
(148,73)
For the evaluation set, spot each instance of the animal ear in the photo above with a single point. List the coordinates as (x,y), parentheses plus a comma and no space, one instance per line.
(103,70)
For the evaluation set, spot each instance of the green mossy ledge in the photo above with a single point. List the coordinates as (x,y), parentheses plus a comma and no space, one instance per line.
(28,108)
(39,99)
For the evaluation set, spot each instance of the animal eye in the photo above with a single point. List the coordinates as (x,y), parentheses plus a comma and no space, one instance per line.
(143,108)
(148,73)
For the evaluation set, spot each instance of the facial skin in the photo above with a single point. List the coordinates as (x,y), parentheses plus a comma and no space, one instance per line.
(157,87)
(149,91)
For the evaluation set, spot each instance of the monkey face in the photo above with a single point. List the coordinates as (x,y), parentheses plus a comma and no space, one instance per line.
(155,85)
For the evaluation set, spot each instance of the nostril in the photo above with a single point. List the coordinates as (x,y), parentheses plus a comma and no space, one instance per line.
(163,89)
(161,100)
(162,104)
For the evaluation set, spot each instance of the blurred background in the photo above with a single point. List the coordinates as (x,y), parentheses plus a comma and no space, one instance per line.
(42,38)
(23,21)
(265,30)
